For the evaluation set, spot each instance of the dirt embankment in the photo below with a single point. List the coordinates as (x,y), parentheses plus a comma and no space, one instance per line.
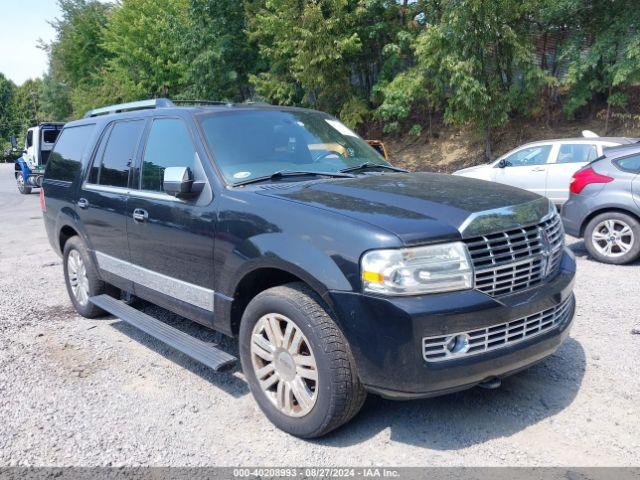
(452,148)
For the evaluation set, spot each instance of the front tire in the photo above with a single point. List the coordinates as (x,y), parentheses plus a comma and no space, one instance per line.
(81,278)
(22,187)
(613,237)
(297,362)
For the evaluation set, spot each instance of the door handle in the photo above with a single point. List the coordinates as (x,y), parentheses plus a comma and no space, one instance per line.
(83,203)
(539,169)
(140,215)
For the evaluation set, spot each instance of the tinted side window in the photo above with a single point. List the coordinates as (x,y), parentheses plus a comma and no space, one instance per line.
(118,154)
(65,160)
(630,164)
(49,135)
(169,145)
(576,153)
(529,156)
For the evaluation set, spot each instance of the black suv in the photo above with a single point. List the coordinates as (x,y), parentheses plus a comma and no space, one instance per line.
(339,273)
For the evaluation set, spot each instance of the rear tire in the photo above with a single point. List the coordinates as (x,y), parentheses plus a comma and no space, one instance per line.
(82,279)
(22,187)
(318,367)
(613,237)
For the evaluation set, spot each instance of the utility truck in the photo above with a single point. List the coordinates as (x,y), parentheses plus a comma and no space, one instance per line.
(38,143)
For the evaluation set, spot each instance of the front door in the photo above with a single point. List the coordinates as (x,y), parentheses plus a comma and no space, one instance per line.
(171,240)
(526,168)
(102,198)
(571,158)
(30,149)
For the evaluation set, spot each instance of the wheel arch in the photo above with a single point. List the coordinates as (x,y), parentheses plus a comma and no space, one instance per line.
(602,210)
(65,233)
(263,277)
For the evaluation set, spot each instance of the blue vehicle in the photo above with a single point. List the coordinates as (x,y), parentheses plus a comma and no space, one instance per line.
(38,143)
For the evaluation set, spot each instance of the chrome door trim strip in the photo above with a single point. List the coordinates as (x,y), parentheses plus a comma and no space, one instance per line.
(92,187)
(153,195)
(172,287)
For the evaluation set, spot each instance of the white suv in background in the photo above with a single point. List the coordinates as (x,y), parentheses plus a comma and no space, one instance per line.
(545,167)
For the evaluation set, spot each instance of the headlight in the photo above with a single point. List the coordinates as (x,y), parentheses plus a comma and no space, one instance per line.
(417,270)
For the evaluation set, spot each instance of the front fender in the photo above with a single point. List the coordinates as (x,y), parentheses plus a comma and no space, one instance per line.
(24,169)
(295,255)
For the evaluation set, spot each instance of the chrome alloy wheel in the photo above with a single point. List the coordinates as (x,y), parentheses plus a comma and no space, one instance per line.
(612,238)
(78,280)
(284,364)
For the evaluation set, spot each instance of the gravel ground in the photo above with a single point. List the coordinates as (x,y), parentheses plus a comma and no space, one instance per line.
(98,392)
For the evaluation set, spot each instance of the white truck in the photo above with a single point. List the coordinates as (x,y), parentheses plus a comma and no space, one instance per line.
(38,144)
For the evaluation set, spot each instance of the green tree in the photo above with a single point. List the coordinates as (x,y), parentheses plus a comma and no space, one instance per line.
(8,125)
(56,100)
(480,58)
(219,54)
(603,51)
(27,104)
(7,92)
(77,53)
(76,57)
(144,39)
(307,47)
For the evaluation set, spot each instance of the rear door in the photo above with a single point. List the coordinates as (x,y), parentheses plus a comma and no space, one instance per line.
(102,198)
(571,157)
(526,168)
(171,240)
(631,165)
(63,176)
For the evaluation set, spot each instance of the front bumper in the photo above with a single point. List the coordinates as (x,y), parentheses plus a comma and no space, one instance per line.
(385,335)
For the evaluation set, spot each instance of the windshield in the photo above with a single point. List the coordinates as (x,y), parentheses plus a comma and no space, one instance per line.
(258,143)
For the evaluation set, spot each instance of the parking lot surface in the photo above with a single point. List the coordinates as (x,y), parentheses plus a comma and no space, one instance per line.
(98,392)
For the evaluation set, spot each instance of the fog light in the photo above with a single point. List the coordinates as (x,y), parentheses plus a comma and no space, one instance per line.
(457,344)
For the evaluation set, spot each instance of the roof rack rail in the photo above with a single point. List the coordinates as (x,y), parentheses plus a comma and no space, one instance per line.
(198,101)
(131,106)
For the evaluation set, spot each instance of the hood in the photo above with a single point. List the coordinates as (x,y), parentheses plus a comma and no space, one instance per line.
(419,207)
(475,168)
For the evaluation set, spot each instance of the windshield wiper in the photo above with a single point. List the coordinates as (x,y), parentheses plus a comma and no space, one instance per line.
(367,165)
(290,173)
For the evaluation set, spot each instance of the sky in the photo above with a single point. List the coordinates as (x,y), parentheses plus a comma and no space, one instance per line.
(25,21)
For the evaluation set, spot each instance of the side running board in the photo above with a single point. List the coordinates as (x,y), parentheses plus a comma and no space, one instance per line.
(203,352)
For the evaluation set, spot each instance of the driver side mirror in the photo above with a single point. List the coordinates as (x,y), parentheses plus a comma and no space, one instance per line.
(14,143)
(503,163)
(178,182)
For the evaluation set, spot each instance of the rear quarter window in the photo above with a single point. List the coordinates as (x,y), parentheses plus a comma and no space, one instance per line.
(65,161)
(629,164)
(50,135)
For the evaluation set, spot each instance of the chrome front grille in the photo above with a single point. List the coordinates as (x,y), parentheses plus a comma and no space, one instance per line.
(517,259)
(473,342)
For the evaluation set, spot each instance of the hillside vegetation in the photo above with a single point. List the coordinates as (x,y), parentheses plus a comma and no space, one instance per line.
(451,148)
(445,81)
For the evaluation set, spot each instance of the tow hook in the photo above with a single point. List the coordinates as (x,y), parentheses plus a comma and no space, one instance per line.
(490,383)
